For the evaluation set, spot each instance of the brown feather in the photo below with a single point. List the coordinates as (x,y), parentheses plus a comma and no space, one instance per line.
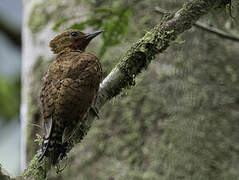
(70,87)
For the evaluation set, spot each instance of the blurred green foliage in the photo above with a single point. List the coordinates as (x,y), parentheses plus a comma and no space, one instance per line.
(9,98)
(40,14)
(114,22)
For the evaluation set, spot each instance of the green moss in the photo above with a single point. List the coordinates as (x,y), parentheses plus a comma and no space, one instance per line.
(139,56)
(38,18)
(37,170)
(43,12)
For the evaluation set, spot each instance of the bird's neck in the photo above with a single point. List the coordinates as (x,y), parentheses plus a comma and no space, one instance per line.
(68,49)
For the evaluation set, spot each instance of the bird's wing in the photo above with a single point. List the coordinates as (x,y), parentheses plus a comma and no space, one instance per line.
(74,96)
(73,102)
(47,97)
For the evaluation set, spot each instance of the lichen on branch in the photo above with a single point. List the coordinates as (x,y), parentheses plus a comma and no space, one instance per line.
(3,174)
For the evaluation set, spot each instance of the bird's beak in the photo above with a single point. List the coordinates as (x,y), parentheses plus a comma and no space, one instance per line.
(90,36)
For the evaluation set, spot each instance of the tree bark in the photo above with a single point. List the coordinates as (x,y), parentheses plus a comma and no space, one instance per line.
(34,63)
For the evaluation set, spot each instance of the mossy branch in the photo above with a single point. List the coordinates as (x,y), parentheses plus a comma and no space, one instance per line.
(4,175)
(136,59)
(205,27)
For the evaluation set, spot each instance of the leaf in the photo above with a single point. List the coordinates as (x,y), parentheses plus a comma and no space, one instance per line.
(114,22)
(82,25)
(58,23)
(10,98)
(79,26)
(116,27)
(103,10)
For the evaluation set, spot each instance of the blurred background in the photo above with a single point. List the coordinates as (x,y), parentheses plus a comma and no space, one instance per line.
(10,61)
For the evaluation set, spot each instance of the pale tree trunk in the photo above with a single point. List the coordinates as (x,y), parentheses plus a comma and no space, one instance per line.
(34,62)
(28,60)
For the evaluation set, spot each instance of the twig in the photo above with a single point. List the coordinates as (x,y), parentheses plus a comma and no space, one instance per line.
(162,11)
(217,32)
(205,27)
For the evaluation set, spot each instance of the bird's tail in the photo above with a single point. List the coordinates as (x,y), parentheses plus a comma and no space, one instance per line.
(45,144)
(52,146)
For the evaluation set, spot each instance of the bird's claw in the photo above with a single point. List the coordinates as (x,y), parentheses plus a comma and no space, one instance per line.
(95,111)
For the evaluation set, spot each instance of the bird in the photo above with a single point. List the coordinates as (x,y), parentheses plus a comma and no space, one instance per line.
(69,91)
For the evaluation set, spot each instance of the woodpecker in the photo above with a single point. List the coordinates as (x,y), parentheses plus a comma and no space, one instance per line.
(69,90)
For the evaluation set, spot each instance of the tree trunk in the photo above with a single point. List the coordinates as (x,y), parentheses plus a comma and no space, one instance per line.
(37,31)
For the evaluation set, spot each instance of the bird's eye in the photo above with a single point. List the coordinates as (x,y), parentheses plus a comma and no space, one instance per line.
(74,34)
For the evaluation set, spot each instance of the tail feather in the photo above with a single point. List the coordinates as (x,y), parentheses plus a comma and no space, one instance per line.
(52,146)
(44,149)
(52,149)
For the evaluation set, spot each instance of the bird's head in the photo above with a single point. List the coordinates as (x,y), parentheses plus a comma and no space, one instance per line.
(73,39)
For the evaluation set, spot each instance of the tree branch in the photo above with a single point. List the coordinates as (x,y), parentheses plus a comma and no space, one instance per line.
(205,27)
(217,32)
(136,59)
(3,174)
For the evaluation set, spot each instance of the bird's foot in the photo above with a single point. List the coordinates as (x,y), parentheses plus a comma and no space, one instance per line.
(63,150)
(62,155)
(95,111)
(60,169)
